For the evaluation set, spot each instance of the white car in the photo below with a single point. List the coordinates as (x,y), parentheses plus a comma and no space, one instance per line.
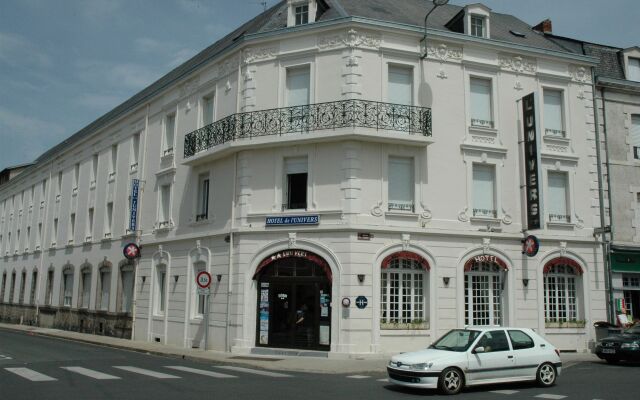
(477,356)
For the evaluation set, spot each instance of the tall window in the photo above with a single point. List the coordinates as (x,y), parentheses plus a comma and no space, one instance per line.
(43,194)
(12,288)
(207,110)
(48,296)
(199,299)
(403,286)
(4,285)
(126,282)
(298,86)
(160,292)
(23,287)
(483,295)
(401,183)
(89,235)
(560,294)
(164,210)
(302,14)
(85,281)
(59,193)
(202,207)
(76,177)
(557,197)
(480,103)
(67,287)
(634,69)
(135,151)
(55,232)
(34,287)
(39,237)
(108,220)
(169,134)
(94,169)
(105,288)
(553,113)
(296,172)
(113,161)
(484,191)
(26,245)
(477,26)
(72,227)
(635,136)
(400,85)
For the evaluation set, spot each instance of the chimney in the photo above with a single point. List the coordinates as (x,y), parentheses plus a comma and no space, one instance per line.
(544,26)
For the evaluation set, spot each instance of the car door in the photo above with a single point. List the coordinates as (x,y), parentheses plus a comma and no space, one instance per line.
(526,356)
(495,362)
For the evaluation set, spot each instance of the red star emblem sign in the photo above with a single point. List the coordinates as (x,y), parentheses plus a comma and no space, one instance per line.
(531,246)
(131,251)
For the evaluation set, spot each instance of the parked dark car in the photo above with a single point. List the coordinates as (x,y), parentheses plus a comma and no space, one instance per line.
(625,346)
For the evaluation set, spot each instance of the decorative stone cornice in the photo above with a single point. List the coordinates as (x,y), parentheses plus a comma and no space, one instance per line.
(350,39)
(259,54)
(517,64)
(227,66)
(442,52)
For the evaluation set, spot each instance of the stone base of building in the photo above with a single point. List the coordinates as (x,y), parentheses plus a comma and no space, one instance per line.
(70,319)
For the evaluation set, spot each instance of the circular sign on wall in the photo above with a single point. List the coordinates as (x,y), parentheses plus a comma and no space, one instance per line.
(203,279)
(361,302)
(530,246)
(131,251)
(346,302)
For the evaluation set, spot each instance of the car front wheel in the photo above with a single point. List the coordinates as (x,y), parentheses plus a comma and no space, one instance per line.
(546,375)
(451,381)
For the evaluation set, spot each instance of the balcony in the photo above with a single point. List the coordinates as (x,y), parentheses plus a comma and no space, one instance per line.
(313,117)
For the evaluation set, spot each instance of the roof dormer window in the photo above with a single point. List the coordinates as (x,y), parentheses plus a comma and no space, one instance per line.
(632,63)
(477,26)
(302,14)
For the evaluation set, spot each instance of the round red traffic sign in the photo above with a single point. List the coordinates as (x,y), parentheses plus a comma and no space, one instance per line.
(203,279)
(131,251)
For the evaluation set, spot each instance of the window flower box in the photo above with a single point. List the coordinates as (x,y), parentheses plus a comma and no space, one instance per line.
(564,324)
(417,324)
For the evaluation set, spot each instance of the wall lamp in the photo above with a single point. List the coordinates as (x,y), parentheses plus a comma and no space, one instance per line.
(219,277)
(445,280)
(436,4)
(360,278)
(175,278)
(525,282)
(144,278)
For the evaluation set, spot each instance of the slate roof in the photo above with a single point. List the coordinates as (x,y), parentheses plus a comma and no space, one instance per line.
(409,12)
(611,59)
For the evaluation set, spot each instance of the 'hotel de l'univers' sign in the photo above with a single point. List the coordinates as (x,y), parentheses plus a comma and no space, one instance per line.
(293,220)
(531,161)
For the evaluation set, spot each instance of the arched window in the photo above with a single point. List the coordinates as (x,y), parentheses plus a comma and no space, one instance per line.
(12,288)
(67,286)
(126,287)
(104,285)
(403,291)
(483,286)
(34,286)
(198,304)
(48,297)
(561,281)
(4,285)
(85,287)
(23,286)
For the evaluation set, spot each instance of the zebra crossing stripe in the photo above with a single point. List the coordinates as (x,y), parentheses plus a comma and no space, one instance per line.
(550,396)
(504,391)
(90,373)
(255,371)
(200,371)
(31,374)
(147,372)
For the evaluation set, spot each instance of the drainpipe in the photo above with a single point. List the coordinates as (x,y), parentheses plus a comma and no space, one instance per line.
(230,270)
(605,243)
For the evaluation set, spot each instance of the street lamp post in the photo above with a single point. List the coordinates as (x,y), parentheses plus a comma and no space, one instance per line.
(436,4)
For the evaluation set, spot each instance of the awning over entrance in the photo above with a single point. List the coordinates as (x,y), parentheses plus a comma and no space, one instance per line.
(563,261)
(295,254)
(625,260)
(485,258)
(406,255)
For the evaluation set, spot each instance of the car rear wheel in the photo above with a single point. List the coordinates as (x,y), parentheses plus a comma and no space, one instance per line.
(451,381)
(612,360)
(546,375)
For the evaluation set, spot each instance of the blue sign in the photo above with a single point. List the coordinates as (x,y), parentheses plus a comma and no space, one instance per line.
(293,220)
(133,217)
(361,302)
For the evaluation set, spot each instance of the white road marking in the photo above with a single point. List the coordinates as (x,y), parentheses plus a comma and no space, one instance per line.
(31,374)
(255,372)
(147,372)
(2,357)
(504,391)
(358,377)
(200,372)
(383,380)
(550,396)
(90,373)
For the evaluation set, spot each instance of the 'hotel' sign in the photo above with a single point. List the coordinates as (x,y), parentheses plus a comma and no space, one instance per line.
(531,161)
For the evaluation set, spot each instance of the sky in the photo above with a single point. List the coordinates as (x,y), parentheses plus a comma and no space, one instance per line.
(65,63)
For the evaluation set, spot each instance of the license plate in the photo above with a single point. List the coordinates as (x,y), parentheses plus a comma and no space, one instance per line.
(608,351)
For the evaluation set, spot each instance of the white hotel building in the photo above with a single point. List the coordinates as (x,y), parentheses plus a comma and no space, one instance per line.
(405,174)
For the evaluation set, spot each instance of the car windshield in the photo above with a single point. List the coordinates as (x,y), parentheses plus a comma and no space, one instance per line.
(456,340)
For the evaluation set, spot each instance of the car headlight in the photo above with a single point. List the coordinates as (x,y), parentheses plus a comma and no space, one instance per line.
(422,366)
(631,346)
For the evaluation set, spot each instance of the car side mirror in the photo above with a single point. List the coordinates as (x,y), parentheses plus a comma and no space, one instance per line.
(478,349)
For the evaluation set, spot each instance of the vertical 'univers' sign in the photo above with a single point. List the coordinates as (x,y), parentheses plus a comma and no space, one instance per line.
(532,161)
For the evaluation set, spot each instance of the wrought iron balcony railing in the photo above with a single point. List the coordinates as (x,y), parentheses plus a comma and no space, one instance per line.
(312,117)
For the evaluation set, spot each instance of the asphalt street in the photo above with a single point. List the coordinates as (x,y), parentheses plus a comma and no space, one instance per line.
(38,367)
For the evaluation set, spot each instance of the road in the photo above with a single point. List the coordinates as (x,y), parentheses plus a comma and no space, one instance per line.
(38,367)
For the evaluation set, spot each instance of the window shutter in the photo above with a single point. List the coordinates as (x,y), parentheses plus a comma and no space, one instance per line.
(553,110)
(400,85)
(635,130)
(481,99)
(207,112)
(400,181)
(557,193)
(297,165)
(634,69)
(298,86)
(483,189)
(164,206)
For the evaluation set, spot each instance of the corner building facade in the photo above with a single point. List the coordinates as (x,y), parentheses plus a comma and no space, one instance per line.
(346,194)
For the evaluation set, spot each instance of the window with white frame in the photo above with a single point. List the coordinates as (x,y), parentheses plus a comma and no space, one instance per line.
(560,294)
(72,227)
(23,287)
(85,290)
(26,245)
(34,287)
(12,287)
(198,305)
(17,241)
(298,91)
(94,170)
(401,184)
(169,134)
(108,220)
(553,113)
(43,192)
(207,110)
(4,285)
(635,136)
(557,197)
(55,232)
(48,295)
(126,284)
(89,233)
(164,208)
(403,297)
(135,151)
(484,191)
(39,237)
(400,85)
(160,289)
(477,26)
(480,103)
(105,288)
(113,162)
(59,192)
(67,287)
(202,206)
(634,69)
(483,285)
(302,14)
(76,178)
(296,173)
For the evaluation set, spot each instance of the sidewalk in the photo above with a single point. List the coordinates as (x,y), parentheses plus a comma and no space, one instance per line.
(280,363)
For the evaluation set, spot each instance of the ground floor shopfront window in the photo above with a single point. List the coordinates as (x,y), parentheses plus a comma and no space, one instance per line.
(294,297)
(484,281)
(631,286)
